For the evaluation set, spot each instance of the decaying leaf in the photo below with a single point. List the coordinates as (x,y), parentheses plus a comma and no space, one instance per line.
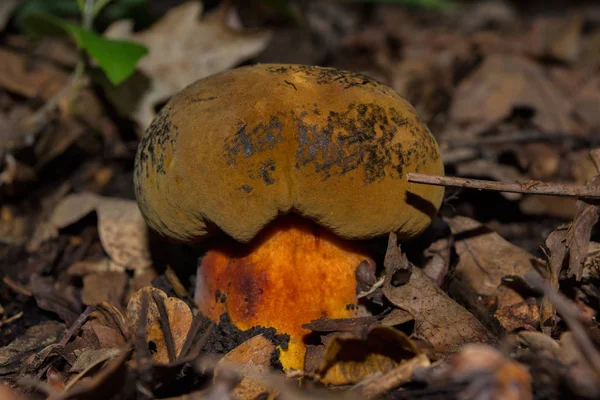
(504,82)
(250,359)
(179,320)
(184,48)
(439,320)
(485,259)
(350,359)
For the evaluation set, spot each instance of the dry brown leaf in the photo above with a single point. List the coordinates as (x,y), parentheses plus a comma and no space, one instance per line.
(123,232)
(540,159)
(504,82)
(88,358)
(184,48)
(439,320)
(489,373)
(107,286)
(121,227)
(559,38)
(580,377)
(581,167)
(250,359)
(554,206)
(587,103)
(16,354)
(179,320)
(485,258)
(350,360)
(7,393)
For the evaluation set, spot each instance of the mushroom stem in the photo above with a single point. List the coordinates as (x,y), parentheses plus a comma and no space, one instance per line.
(292,273)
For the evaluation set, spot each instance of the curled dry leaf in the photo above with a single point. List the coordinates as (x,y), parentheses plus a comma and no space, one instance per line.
(184,48)
(350,360)
(122,229)
(484,259)
(250,359)
(504,82)
(179,321)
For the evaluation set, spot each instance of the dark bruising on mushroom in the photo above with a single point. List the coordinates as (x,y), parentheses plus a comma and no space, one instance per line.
(159,140)
(322,76)
(361,136)
(248,141)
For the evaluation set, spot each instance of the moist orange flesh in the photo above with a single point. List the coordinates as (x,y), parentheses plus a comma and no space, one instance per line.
(292,273)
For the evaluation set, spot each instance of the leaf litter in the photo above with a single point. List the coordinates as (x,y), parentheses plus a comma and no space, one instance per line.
(89,310)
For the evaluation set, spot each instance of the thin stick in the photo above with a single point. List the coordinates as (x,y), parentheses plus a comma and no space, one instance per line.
(525,186)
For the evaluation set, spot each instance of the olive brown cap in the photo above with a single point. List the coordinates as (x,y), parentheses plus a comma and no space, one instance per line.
(235,150)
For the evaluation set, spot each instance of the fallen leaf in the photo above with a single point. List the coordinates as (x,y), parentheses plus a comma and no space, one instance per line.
(522,315)
(541,160)
(587,103)
(351,360)
(123,233)
(57,297)
(121,227)
(184,48)
(484,259)
(18,352)
(179,321)
(559,37)
(503,82)
(90,358)
(101,287)
(580,377)
(439,320)
(7,393)
(489,374)
(554,206)
(251,359)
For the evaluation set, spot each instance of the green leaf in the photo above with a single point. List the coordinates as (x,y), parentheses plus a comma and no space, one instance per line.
(117,58)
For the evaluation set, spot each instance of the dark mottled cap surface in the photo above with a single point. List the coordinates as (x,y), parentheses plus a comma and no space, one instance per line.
(234,150)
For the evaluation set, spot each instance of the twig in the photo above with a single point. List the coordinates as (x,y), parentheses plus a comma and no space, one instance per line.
(514,137)
(76,325)
(525,186)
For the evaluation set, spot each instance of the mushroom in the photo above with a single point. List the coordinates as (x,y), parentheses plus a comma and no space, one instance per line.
(296,165)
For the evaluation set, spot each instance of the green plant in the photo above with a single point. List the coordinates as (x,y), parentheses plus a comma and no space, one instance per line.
(116,58)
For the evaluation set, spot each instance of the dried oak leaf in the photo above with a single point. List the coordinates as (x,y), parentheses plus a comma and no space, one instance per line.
(350,360)
(184,48)
(587,103)
(179,321)
(484,259)
(250,359)
(503,82)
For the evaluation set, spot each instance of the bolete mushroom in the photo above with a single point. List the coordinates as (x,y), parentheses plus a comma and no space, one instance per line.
(295,164)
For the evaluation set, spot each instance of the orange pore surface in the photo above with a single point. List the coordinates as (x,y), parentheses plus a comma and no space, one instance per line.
(292,273)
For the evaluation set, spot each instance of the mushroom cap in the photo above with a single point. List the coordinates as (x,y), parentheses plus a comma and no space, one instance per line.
(235,150)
